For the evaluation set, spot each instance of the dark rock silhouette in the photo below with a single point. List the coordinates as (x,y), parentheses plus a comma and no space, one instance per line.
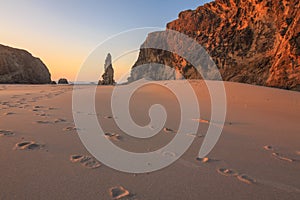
(63,81)
(254,41)
(20,67)
(108,76)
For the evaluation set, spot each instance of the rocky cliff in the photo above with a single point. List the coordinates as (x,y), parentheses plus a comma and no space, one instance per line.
(251,41)
(19,66)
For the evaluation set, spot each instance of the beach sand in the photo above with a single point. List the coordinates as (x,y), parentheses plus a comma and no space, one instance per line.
(256,157)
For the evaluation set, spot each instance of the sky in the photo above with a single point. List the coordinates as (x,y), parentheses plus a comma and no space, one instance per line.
(63,33)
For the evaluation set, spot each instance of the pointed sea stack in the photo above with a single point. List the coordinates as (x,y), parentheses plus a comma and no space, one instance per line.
(108,76)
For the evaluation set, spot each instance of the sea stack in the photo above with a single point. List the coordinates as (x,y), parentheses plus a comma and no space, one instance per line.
(108,76)
(63,81)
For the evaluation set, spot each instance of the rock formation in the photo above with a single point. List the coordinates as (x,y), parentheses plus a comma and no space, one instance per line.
(19,66)
(108,76)
(63,81)
(251,41)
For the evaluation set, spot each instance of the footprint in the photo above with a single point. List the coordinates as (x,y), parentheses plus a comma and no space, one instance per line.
(227,172)
(6,133)
(93,114)
(277,155)
(241,177)
(246,179)
(70,128)
(108,117)
(42,114)
(268,148)
(202,121)
(194,135)
(52,108)
(85,161)
(28,146)
(9,113)
(31,101)
(43,122)
(113,136)
(37,107)
(204,160)
(118,192)
(75,158)
(168,130)
(169,154)
(59,121)
(5,103)
(280,157)
(78,112)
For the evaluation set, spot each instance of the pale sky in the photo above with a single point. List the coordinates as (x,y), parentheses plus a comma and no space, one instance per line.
(63,33)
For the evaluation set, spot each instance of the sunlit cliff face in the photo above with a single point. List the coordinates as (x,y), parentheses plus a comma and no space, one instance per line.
(255,42)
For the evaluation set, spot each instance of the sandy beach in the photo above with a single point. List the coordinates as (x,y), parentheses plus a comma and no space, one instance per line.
(257,156)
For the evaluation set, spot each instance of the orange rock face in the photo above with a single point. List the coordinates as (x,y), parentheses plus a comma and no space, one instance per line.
(251,41)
